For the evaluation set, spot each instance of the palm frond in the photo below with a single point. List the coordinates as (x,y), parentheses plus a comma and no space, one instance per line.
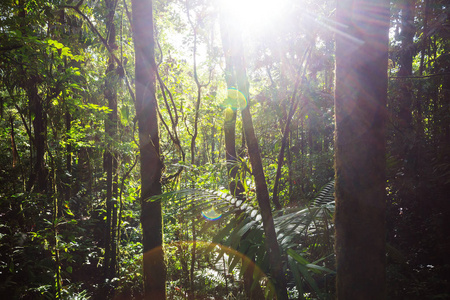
(326,195)
(195,201)
(243,231)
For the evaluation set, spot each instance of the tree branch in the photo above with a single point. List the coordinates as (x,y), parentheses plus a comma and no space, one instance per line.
(105,43)
(420,77)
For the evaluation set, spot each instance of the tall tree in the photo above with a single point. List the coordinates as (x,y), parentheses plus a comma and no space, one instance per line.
(39,172)
(262,194)
(151,164)
(236,57)
(110,161)
(407,51)
(230,114)
(252,291)
(360,102)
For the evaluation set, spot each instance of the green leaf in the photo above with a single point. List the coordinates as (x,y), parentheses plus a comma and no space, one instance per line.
(125,113)
(320,268)
(297,277)
(301,267)
(297,257)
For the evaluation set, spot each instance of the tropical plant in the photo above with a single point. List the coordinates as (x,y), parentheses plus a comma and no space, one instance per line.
(304,235)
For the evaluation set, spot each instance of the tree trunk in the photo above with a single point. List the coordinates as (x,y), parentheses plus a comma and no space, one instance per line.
(193,261)
(229,126)
(39,174)
(151,164)
(252,291)
(110,93)
(235,184)
(405,99)
(233,48)
(419,135)
(68,179)
(199,88)
(15,153)
(213,143)
(360,104)
(262,194)
(284,140)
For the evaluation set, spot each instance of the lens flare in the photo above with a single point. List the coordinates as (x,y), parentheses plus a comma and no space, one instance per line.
(211,214)
(230,256)
(236,100)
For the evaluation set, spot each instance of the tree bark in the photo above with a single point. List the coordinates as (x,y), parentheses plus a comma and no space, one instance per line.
(151,164)
(360,107)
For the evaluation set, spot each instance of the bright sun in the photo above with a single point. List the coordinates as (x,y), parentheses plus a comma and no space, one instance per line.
(255,15)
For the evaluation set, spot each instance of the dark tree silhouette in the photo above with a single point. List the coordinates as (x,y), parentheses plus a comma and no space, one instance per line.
(360,100)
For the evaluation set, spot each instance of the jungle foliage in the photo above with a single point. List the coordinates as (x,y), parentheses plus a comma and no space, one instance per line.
(71,153)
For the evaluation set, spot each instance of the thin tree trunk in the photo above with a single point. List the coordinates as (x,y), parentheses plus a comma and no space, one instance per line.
(405,117)
(229,126)
(114,236)
(286,132)
(193,150)
(424,206)
(151,164)
(289,160)
(235,184)
(302,155)
(213,143)
(56,212)
(262,193)
(360,106)
(252,291)
(15,154)
(195,131)
(39,174)
(193,260)
(111,131)
(52,194)
(199,88)
(68,179)
(234,52)
(310,148)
